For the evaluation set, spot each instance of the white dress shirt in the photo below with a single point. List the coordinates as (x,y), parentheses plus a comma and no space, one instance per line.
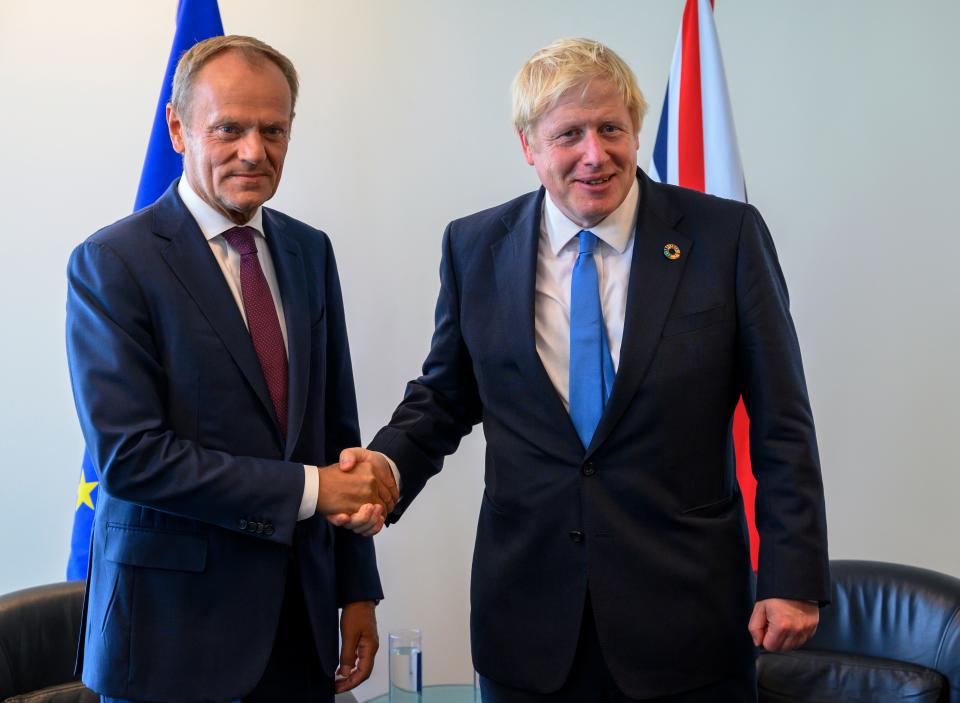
(557,253)
(213,224)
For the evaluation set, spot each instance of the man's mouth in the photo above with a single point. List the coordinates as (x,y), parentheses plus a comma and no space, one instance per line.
(594,181)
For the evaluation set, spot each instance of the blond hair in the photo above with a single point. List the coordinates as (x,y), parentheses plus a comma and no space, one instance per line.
(253,50)
(565,64)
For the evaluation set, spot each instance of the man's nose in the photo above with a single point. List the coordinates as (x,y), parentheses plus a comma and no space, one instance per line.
(594,152)
(251,147)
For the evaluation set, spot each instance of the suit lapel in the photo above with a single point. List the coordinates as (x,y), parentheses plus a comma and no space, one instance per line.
(188,255)
(653,283)
(292,278)
(515,267)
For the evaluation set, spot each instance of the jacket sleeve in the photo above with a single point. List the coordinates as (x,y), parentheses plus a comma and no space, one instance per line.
(356,561)
(790,512)
(441,406)
(119,382)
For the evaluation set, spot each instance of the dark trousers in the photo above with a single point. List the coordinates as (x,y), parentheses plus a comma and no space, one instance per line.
(590,681)
(293,673)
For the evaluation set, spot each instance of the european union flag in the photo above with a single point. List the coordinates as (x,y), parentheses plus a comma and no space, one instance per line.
(82,521)
(196,20)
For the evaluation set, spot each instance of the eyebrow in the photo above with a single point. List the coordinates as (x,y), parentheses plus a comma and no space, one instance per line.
(229,119)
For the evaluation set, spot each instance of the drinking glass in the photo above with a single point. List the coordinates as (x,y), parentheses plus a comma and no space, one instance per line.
(406,674)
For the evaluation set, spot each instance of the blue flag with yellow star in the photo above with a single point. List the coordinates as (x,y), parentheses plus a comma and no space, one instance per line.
(82,521)
(196,20)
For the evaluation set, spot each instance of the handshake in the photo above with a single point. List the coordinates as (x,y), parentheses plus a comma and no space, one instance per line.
(359,492)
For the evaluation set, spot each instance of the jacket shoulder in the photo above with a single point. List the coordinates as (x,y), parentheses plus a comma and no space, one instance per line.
(497,216)
(704,218)
(310,238)
(125,231)
(481,229)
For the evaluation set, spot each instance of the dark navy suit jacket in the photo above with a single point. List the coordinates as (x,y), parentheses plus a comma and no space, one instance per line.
(199,492)
(649,517)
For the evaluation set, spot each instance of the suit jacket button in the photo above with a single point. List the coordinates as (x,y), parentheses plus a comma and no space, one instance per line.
(576,536)
(268,529)
(589,469)
(243,524)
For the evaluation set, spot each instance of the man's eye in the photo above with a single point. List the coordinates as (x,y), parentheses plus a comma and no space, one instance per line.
(275,132)
(569,135)
(609,129)
(228,130)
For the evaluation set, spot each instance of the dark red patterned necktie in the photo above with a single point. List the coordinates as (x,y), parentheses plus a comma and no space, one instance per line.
(262,319)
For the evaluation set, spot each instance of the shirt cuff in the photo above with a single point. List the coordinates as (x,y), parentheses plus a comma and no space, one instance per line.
(311,489)
(393,468)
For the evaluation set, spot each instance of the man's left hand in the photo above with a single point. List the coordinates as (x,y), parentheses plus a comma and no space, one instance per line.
(779,625)
(358,631)
(367,521)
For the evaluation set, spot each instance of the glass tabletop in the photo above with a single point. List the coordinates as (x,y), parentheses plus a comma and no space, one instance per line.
(446,693)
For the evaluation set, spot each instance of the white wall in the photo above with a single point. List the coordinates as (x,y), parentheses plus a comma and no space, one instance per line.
(846,115)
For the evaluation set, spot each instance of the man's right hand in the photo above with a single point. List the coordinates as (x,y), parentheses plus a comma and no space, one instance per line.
(358,492)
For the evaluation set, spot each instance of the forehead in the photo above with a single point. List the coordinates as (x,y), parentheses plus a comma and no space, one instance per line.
(596,95)
(232,81)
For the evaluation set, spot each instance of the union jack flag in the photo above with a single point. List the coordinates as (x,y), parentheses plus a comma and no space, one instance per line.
(696,147)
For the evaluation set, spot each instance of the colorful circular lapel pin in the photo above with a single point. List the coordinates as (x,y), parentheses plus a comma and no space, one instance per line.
(671,251)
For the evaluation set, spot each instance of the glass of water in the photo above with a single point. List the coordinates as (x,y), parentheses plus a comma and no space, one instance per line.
(406,673)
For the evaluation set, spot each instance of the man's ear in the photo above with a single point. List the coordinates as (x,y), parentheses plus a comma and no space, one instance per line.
(176,128)
(525,145)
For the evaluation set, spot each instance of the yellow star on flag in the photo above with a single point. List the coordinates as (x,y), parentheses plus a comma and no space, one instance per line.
(84,489)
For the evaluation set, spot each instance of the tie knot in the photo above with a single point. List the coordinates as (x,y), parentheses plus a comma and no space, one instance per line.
(588,241)
(241,239)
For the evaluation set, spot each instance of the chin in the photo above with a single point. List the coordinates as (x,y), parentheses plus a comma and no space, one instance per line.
(248,203)
(595,215)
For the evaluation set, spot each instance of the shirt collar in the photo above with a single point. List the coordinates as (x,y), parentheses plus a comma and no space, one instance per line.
(211,222)
(616,229)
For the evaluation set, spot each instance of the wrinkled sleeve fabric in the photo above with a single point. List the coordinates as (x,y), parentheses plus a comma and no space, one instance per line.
(790,511)
(356,562)
(443,404)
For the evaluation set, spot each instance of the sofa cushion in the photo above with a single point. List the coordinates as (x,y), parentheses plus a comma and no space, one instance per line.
(833,677)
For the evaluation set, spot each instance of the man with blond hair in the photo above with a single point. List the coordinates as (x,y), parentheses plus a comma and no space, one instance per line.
(209,360)
(602,329)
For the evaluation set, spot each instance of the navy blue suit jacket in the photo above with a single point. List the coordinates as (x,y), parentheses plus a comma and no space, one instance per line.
(649,517)
(199,492)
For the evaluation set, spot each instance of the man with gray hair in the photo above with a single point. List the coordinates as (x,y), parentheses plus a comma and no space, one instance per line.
(603,328)
(211,372)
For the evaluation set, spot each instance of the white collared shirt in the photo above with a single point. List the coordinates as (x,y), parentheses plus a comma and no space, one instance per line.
(213,224)
(557,253)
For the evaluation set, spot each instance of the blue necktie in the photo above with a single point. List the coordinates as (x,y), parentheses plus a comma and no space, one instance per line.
(591,366)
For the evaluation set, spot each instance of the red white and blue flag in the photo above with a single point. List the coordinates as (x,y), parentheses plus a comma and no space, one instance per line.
(696,147)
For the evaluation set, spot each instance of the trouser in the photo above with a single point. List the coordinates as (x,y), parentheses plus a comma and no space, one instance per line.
(590,681)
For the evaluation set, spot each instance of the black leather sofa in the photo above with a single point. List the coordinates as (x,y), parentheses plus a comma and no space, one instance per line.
(38,645)
(891,633)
